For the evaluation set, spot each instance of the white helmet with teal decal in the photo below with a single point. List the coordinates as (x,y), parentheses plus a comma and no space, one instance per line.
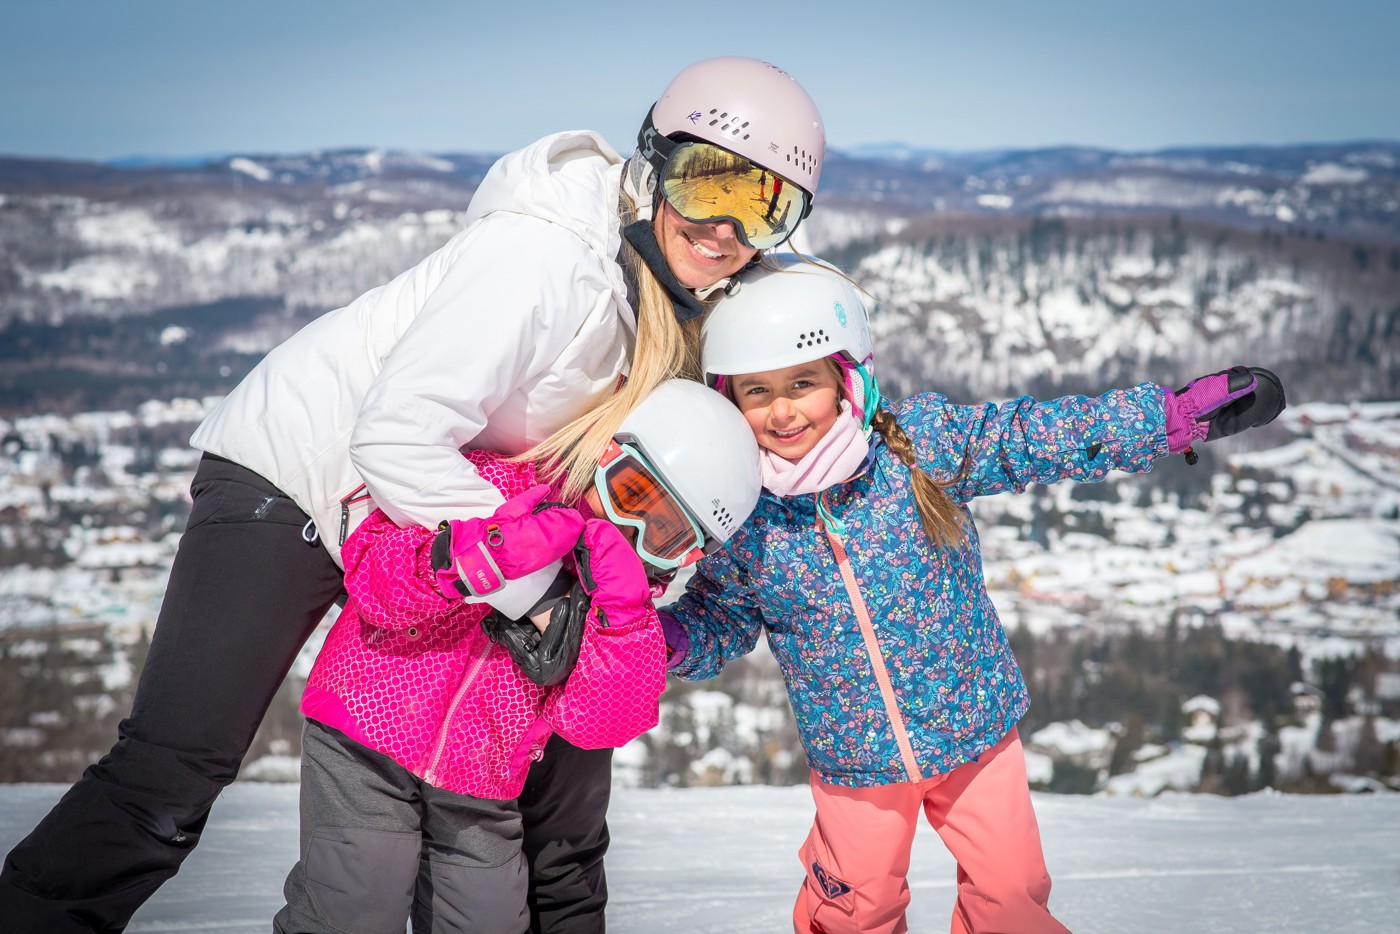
(795,312)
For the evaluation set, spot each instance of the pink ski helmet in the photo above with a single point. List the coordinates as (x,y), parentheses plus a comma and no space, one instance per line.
(748,107)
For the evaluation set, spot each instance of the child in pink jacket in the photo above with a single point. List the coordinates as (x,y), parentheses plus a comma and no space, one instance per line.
(424,711)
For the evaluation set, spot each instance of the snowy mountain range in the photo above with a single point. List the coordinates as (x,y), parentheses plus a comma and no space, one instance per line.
(1042,270)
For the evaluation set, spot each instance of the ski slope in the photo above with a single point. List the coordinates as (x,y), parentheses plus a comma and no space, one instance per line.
(723,860)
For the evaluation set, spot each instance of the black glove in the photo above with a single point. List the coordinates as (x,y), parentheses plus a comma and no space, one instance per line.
(547,658)
(1258,408)
(1220,405)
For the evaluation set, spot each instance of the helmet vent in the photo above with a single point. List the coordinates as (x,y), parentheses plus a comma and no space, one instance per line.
(732,125)
(803,159)
(813,338)
(723,517)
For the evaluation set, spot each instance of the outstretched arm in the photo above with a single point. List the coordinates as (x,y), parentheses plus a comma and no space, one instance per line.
(1024,441)
(1083,438)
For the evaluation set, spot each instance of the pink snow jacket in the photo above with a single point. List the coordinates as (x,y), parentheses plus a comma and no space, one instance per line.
(410,673)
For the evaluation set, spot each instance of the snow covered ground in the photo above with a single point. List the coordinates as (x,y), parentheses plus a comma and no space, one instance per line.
(722,859)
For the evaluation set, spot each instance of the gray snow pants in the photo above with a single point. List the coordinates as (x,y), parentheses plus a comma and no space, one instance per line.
(245,591)
(378,845)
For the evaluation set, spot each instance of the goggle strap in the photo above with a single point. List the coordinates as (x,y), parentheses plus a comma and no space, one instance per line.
(611,453)
(654,147)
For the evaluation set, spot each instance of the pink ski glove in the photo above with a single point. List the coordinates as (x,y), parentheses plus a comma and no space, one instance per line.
(612,575)
(1220,405)
(612,588)
(475,557)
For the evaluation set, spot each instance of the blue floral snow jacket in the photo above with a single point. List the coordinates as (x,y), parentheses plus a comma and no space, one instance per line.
(954,689)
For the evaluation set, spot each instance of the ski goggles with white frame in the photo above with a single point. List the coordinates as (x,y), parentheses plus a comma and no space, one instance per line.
(634,495)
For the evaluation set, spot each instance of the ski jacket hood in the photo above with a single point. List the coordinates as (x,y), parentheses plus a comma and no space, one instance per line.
(558,179)
(947,687)
(511,329)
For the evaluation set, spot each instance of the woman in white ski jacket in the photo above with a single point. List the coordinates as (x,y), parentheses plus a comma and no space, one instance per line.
(574,289)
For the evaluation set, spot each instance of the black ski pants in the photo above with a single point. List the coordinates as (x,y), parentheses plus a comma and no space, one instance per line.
(246,590)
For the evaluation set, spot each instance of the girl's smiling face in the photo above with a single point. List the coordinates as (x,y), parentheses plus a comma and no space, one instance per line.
(792,408)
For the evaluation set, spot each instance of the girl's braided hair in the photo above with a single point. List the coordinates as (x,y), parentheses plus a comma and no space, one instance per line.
(942,519)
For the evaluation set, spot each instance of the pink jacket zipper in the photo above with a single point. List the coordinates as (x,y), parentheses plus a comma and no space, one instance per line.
(872,648)
(430,773)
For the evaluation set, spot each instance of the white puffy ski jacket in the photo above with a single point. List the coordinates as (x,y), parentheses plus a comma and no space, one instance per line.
(511,329)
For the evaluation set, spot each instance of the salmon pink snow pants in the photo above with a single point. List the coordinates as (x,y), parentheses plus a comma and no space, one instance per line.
(856,857)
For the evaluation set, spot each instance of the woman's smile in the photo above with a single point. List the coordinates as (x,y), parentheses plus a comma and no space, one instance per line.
(699,254)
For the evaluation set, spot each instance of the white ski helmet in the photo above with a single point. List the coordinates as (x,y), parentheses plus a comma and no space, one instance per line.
(748,107)
(796,312)
(704,451)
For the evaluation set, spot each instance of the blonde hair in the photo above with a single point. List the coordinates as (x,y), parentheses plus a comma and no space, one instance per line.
(665,349)
(941,518)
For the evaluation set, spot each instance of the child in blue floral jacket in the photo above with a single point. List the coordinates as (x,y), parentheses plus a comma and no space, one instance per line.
(864,571)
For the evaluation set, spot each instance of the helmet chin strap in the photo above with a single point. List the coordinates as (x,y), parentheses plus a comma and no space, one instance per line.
(731,285)
(872,396)
(657,576)
(866,394)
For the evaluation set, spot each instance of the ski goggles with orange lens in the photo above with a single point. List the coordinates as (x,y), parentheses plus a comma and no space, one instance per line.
(634,495)
(706,183)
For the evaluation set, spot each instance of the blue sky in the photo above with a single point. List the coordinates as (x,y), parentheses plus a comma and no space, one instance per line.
(111,78)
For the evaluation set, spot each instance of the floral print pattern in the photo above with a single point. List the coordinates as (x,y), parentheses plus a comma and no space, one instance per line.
(956,682)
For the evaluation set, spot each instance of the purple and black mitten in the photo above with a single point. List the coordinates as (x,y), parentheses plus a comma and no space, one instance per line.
(1220,405)
(677,642)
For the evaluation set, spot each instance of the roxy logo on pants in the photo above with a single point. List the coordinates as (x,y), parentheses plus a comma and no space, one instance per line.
(832,887)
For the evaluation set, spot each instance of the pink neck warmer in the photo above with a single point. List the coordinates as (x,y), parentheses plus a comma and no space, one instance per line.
(835,458)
